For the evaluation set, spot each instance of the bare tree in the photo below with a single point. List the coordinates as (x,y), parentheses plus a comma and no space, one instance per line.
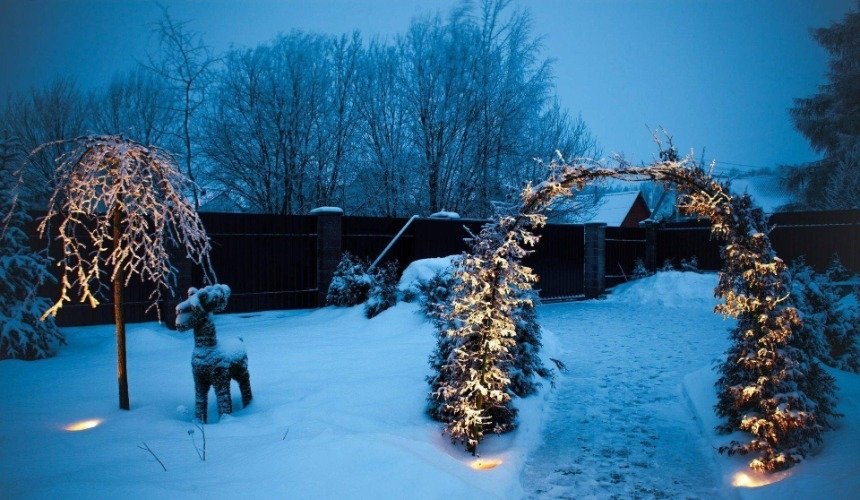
(136,104)
(383,180)
(478,94)
(48,116)
(118,210)
(283,125)
(337,123)
(184,61)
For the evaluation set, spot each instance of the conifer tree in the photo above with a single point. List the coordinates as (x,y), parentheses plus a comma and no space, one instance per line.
(829,328)
(770,386)
(474,395)
(526,365)
(22,271)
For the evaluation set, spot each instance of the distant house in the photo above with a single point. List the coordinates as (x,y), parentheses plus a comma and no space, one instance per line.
(623,209)
(219,202)
(620,209)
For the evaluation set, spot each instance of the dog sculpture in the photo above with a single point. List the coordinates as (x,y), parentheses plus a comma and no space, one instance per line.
(213,363)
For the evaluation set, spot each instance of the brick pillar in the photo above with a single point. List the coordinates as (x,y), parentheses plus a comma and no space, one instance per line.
(184,270)
(329,247)
(650,244)
(594,265)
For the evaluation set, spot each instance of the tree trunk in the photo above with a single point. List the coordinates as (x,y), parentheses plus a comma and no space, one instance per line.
(119,319)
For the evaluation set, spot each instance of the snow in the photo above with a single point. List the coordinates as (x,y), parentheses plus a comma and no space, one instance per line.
(830,473)
(424,270)
(445,215)
(326,210)
(669,289)
(338,411)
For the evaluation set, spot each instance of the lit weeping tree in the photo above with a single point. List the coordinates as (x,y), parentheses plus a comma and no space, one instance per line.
(771,386)
(119,212)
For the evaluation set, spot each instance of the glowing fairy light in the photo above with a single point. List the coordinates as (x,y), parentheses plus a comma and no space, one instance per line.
(485,463)
(83,425)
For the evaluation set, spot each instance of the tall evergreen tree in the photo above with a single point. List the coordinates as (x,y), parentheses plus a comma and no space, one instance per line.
(830,120)
(22,334)
(770,386)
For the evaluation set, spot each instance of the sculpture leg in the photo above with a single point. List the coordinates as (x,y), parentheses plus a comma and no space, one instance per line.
(222,392)
(201,388)
(243,378)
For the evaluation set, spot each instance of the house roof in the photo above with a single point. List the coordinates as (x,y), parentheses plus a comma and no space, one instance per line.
(613,208)
(221,201)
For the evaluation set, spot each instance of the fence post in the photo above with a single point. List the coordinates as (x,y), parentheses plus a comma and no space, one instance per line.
(329,247)
(594,263)
(650,244)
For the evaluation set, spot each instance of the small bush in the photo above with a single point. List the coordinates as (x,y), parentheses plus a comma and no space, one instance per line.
(434,297)
(640,271)
(351,282)
(383,289)
(690,265)
(830,323)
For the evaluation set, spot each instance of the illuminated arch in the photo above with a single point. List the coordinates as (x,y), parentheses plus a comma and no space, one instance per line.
(771,386)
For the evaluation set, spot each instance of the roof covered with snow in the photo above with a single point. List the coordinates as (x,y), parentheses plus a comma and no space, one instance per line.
(613,208)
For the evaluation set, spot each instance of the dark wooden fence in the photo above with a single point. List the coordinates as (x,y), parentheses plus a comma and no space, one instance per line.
(624,245)
(271,261)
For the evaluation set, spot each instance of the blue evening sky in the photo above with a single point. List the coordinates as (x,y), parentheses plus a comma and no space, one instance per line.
(718,74)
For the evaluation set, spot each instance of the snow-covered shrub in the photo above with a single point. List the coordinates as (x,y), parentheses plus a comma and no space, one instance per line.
(639,270)
(829,325)
(836,271)
(23,335)
(383,289)
(525,364)
(434,297)
(420,271)
(350,284)
(690,265)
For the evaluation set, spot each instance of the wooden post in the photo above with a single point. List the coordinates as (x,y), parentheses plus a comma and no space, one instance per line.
(119,319)
(594,264)
(329,247)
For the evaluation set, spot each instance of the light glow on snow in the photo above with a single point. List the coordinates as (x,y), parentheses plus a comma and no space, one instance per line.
(751,479)
(485,463)
(83,425)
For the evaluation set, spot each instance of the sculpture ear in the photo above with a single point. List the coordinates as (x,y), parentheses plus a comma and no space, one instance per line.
(214,298)
(192,291)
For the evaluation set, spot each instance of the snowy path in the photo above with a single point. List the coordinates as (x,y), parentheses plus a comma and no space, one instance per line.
(620,425)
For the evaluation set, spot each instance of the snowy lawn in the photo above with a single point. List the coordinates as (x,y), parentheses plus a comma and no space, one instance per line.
(338,412)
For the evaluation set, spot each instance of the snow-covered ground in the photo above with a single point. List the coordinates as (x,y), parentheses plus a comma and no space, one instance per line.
(338,412)
(619,424)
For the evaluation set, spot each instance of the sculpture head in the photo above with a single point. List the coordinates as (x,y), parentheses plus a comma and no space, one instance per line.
(195,310)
